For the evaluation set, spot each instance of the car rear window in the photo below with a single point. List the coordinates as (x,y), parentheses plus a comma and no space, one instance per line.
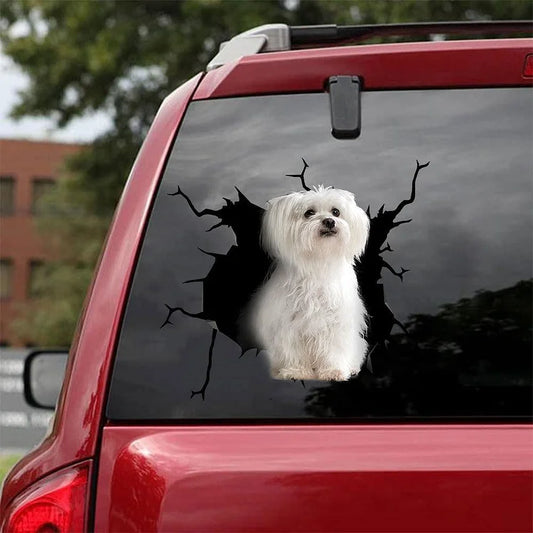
(446,283)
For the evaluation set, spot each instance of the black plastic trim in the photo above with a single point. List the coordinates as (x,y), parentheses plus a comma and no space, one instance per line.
(302,36)
(345,106)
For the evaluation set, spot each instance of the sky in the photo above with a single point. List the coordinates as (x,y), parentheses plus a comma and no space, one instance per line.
(13,80)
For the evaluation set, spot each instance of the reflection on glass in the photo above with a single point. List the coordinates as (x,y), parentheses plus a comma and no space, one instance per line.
(469,358)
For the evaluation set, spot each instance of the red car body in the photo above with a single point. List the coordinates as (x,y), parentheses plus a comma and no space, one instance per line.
(317,477)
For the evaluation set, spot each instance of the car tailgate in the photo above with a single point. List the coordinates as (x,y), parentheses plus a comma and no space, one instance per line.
(315,478)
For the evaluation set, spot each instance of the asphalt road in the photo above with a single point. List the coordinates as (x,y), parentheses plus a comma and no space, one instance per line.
(21,426)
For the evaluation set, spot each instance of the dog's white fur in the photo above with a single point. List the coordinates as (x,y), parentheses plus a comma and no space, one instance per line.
(308,315)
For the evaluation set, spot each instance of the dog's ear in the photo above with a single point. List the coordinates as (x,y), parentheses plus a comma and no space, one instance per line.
(359,225)
(350,196)
(273,226)
(275,206)
(360,231)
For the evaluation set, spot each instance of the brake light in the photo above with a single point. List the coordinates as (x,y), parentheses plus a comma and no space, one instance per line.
(55,504)
(528,66)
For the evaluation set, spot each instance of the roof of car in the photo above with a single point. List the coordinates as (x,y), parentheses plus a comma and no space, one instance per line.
(418,65)
(280,37)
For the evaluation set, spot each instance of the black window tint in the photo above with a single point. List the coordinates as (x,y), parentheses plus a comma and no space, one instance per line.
(448,283)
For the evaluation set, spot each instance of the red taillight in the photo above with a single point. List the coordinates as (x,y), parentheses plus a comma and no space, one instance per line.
(528,66)
(56,504)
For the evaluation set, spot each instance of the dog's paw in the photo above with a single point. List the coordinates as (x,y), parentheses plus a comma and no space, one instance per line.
(294,373)
(332,374)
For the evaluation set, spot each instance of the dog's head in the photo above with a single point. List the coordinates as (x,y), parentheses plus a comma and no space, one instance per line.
(323,223)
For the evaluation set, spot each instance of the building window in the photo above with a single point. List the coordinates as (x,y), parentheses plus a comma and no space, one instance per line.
(40,188)
(7,195)
(6,278)
(35,279)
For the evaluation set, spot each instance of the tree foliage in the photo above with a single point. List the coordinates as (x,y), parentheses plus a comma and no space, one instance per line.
(123,57)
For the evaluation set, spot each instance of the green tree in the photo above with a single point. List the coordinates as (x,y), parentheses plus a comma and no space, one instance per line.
(124,57)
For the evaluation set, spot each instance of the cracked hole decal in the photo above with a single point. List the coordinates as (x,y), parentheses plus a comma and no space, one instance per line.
(234,276)
(237,275)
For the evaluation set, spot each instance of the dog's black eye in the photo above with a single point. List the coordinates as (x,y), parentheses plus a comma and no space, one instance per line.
(309,213)
(335,212)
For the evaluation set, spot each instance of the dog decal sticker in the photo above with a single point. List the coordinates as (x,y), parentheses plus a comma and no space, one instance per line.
(232,286)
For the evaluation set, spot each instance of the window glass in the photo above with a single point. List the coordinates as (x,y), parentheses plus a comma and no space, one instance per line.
(40,188)
(7,195)
(37,272)
(445,278)
(6,278)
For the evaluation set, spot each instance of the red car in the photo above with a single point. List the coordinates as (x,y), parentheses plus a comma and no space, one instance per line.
(169,419)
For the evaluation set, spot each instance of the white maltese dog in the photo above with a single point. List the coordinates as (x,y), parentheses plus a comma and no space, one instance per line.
(308,315)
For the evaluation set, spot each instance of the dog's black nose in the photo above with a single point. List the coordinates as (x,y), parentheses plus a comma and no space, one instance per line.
(329,223)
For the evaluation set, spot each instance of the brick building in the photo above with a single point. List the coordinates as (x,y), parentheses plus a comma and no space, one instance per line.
(27,170)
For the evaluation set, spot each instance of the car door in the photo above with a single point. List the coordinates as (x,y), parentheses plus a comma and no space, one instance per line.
(433,434)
